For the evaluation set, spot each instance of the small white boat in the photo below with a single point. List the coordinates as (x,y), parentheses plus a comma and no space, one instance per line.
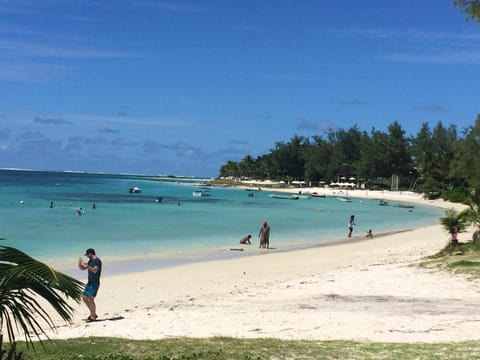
(344,199)
(285,197)
(202,192)
(135,190)
(315,194)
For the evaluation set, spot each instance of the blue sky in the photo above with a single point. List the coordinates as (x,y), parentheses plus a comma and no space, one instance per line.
(180,87)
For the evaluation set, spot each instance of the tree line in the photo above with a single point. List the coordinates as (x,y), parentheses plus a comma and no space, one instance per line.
(436,158)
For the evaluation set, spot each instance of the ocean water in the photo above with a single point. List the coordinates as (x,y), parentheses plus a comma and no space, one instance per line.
(180,228)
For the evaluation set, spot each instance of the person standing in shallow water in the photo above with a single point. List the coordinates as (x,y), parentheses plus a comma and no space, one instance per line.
(94,267)
(264,235)
(351,224)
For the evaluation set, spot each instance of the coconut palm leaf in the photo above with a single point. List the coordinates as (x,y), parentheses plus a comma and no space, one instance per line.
(474,213)
(460,219)
(23,282)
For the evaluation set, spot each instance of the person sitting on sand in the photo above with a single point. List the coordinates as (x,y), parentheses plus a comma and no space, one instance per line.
(246,240)
(454,240)
(369,234)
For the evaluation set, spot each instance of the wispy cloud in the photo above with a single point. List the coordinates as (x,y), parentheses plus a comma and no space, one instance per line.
(5,134)
(424,47)
(180,149)
(238,142)
(109,131)
(430,108)
(315,126)
(411,35)
(51,121)
(52,51)
(77,144)
(32,71)
(445,57)
(123,142)
(150,121)
(172,6)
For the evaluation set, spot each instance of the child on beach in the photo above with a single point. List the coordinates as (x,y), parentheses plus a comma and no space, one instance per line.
(246,239)
(369,234)
(454,241)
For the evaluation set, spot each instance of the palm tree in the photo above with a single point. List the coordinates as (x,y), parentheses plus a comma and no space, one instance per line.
(474,212)
(460,219)
(24,281)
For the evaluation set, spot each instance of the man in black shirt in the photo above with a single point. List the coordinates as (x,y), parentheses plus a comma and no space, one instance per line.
(94,267)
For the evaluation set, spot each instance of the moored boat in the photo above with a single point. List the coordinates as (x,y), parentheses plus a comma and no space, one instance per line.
(202,191)
(405,206)
(344,199)
(135,190)
(284,197)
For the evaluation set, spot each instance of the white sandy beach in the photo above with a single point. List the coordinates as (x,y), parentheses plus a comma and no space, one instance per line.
(362,290)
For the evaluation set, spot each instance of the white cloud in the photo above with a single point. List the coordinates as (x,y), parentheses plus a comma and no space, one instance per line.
(54,51)
(447,57)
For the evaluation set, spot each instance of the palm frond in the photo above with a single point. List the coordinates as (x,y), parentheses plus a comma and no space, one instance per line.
(452,217)
(23,280)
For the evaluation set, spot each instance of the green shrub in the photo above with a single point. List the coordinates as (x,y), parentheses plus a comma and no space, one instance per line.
(457,195)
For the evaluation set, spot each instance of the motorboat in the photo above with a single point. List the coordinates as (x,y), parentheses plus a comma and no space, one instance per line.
(135,190)
(315,194)
(344,199)
(405,206)
(285,197)
(202,191)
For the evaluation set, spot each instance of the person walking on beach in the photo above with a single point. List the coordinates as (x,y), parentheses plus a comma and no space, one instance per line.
(94,267)
(454,241)
(264,235)
(351,224)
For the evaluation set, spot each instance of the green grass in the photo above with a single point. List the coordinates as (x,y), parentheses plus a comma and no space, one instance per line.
(468,264)
(245,349)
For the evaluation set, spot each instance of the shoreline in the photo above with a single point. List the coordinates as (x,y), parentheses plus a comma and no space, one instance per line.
(123,266)
(359,290)
(167,259)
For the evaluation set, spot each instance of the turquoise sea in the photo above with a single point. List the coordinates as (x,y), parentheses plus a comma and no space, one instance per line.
(135,228)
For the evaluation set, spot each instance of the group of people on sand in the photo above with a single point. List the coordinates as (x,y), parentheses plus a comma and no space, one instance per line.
(263,234)
(351,224)
(453,239)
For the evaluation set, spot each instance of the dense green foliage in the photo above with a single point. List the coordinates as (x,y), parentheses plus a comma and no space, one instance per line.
(467,264)
(455,218)
(246,349)
(471,8)
(435,159)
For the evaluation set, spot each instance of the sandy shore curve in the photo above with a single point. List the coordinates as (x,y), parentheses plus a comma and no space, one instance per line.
(360,290)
